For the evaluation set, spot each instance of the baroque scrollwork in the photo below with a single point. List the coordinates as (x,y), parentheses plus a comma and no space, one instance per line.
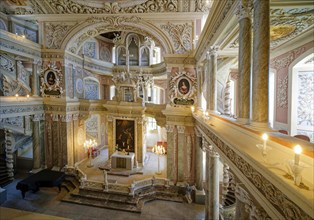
(181,35)
(144,6)
(282,94)
(55,34)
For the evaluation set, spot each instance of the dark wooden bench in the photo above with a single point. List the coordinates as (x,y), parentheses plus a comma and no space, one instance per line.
(44,178)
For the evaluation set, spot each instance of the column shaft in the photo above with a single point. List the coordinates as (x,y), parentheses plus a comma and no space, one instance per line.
(214,186)
(208,83)
(35,80)
(181,149)
(36,145)
(199,90)
(260,62)
(199,163)
(212,80)
(244,64)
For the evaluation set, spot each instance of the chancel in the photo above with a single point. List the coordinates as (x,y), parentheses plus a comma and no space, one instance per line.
(157,109)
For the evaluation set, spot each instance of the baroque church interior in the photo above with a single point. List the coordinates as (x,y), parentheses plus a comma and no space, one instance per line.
(122,103)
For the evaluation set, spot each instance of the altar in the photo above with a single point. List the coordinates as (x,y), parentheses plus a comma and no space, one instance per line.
(124,161)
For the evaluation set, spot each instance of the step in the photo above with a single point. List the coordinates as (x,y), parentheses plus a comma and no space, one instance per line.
(102,203)
(108,196)
(5,181)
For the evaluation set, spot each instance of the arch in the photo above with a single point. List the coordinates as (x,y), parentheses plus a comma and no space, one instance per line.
(291,84)
(94,26)
(3,25)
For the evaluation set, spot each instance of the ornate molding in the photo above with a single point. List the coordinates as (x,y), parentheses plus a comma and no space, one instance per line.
(285,60)
(55,117)
(37,117)
(66,118)
(213,51)
(278,199)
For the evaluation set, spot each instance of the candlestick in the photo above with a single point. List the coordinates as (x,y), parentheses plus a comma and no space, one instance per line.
(297,151)
(265,137)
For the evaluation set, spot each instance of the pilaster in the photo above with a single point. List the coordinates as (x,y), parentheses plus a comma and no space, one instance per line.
(181,147)
(36,142)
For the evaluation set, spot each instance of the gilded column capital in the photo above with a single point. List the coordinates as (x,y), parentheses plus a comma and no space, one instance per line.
(66,118)
(213,51)
(170,128)
(181,129)
(55,117)
(75,116)
(36,117)
(243,9)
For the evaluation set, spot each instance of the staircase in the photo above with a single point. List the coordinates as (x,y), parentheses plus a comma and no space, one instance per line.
(4,176)
(228,202)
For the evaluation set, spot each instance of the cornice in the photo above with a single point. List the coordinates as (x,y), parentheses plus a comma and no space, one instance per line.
(154,17)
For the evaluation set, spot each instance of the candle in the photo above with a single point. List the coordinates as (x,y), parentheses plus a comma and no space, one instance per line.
(265,137)
(192,108)
(27,96)
(297,151)
(17,96)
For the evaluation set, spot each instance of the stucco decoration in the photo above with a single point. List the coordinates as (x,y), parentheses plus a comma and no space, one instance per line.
(290,22)
(11,87)
(305,99)
(92,126)
(55,34)
(90,49)
(27,32)
(7,64)
(282,93)
(181,35)
(51,81)
(182,88)
(79,86)
(91,89)
(285,61)
(94,26)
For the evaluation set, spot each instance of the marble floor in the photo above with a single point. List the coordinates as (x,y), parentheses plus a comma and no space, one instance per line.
(46,203)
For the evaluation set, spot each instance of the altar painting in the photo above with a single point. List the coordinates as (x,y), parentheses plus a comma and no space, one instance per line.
(125,135)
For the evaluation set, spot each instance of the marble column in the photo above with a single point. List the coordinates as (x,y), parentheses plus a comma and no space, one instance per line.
(212,184)
(181,148)
(67,143)
(35,91)
(36,142)
(75,118)
(199,162)
(212,80)
(170,142)
(260,63)
(244,64)
(207,81)
(199,85)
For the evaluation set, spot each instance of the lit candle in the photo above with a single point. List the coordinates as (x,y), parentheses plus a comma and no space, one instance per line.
(17,96)
(27,96)
(297,151)
(265,137)
(192,108)
(206,114)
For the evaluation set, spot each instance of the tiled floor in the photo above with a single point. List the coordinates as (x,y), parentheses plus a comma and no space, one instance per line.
(47,201)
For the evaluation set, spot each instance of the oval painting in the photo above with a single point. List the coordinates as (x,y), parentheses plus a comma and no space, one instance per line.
(184,86)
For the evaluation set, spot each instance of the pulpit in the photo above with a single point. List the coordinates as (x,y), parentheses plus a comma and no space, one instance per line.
(121,160)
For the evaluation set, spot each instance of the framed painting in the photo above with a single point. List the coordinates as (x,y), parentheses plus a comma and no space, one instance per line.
(184,86)
(125,134)
(50,77)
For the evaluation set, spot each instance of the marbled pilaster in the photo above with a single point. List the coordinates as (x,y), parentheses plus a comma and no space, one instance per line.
(261,46)
(244,63)
(35,91)
(170,142)
(36,142)
(181,148)
(200,89)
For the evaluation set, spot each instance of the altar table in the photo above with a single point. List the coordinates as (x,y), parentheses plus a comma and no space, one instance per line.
(122,161)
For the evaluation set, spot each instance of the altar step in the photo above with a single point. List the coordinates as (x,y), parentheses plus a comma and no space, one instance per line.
(124,201)
(102,199)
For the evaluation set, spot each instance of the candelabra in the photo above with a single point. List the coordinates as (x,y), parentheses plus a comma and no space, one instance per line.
(159,150)
(89,145)
(296,166)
